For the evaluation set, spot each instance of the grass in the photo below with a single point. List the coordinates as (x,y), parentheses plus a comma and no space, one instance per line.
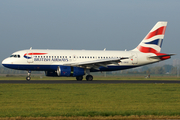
(89,100)
(130,77)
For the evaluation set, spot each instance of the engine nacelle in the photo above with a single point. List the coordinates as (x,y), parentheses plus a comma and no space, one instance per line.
(70,71)
(66,71)
(51,73)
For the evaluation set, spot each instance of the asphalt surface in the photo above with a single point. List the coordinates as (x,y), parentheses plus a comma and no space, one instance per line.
(88,82)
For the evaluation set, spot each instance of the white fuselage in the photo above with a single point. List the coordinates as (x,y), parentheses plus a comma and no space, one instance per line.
(43,60)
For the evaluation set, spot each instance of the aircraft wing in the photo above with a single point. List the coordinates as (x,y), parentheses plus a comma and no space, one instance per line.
(97,63)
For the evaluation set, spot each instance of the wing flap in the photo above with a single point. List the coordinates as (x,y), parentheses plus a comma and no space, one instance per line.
(97,63)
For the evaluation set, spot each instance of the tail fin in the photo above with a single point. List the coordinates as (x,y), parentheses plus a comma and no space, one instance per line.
(153,41)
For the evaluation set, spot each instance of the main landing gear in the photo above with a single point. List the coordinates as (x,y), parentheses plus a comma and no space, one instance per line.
(79,78)
(88,78)
(28,78)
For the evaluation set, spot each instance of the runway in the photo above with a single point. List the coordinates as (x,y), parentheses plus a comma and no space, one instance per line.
(89,82)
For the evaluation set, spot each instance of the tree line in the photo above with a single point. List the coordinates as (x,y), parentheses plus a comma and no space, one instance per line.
(7,71)
(165,69)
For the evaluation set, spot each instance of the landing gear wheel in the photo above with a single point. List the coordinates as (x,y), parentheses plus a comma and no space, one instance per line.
(79,78)
(89,77)
(28,78)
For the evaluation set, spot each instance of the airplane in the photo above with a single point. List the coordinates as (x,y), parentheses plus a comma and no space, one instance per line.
(77,63)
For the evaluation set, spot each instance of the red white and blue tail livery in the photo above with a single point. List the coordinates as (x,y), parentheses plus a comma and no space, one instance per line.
(153,40)
(77,63)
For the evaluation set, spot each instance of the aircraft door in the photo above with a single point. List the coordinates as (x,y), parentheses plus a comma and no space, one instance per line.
(134,58)
(29,56)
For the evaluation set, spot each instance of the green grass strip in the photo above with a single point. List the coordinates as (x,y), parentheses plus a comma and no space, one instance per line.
(45,100)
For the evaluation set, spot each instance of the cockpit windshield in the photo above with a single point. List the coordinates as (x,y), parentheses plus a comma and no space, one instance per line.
(15,56)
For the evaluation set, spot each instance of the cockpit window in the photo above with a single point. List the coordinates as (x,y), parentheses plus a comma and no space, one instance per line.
(15,56)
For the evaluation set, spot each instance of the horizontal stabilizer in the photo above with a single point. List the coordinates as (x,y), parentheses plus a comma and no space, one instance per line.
(161,56)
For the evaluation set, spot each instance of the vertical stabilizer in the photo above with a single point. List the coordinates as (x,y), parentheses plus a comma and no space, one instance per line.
(153,41)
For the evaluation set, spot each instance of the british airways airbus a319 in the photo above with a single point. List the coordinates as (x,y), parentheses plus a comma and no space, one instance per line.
(77,63)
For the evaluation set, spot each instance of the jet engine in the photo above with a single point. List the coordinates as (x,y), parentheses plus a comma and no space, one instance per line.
(70,71)
(66,71)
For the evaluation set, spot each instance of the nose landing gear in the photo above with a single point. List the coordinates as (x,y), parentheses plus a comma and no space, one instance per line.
(28,78)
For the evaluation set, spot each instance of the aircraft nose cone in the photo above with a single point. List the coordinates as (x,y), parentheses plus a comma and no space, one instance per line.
(8,63)
(5,62)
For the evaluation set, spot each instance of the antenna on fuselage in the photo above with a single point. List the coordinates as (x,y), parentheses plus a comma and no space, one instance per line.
(30,48)
(104,49)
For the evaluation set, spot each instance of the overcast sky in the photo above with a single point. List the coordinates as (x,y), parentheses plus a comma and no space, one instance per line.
(85,24)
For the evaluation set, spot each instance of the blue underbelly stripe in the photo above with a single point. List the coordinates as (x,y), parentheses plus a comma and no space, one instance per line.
(54,67)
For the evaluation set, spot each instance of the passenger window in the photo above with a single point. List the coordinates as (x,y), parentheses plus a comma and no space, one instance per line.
(57,56)
(69,56)
(18,56)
